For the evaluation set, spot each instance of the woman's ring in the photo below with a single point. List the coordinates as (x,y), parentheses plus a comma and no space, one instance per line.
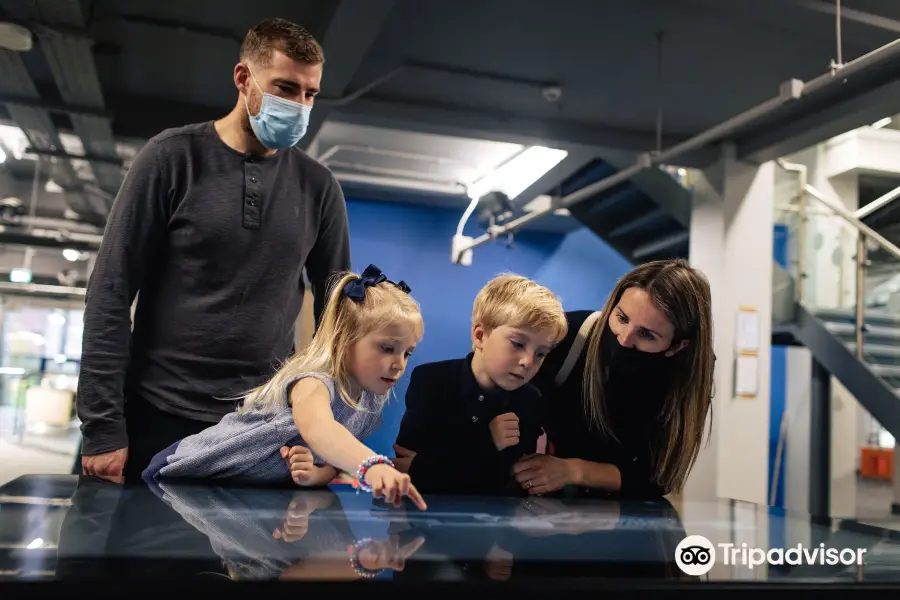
(528,484)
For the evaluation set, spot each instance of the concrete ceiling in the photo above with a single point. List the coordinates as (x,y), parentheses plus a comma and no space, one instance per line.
(465,81)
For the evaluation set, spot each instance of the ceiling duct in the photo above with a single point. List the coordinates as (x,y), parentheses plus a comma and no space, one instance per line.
(71,60)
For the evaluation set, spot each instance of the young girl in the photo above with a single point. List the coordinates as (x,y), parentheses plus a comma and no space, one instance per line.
(322,402)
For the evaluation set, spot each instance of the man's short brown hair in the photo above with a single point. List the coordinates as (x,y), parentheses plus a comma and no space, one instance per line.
(280,34)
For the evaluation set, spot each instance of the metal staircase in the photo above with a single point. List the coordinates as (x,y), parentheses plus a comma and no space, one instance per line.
(858,344)
(830,336)
(881,350)
(645,218)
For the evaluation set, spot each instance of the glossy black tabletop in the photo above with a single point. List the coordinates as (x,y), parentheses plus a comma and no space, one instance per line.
(81,529)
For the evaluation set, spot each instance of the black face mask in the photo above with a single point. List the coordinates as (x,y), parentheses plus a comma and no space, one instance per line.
(631,361)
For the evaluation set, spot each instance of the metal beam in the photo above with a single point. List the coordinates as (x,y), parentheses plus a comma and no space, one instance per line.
(89,157)
(352,31)
(813,123)
(142,117)
(851,14)
(464,122)
(54,107)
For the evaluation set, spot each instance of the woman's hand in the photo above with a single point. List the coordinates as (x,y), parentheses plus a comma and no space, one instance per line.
(403,459)
(543,474)
(390,484)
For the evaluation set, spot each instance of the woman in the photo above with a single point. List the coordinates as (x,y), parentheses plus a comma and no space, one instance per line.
(625,412)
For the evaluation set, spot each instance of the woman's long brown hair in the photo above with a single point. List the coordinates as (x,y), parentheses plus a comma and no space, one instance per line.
(682,294)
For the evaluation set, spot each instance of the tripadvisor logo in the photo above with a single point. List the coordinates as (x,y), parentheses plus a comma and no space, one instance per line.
(695,555)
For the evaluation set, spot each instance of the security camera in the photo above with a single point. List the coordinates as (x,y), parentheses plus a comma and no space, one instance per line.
(10,208)
(67,277)
(551,93)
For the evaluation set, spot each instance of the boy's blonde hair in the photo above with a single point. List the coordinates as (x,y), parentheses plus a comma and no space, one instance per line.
(517,301)
(343,323)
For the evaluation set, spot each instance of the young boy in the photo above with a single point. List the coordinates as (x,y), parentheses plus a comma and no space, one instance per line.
(469,420)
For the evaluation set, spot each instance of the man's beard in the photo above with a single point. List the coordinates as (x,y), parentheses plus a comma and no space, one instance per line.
(245,118)
(245,124)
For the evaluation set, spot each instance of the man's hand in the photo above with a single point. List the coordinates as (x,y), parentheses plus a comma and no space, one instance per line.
(505,430)
(106,465)
(404,458)
(304,471)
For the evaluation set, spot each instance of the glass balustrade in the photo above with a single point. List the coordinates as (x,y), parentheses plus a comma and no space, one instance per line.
(844,272)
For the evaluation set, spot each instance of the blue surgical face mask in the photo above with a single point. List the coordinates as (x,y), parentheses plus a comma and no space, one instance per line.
(280,123)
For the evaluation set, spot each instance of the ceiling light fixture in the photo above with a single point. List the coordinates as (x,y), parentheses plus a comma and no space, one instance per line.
(71,254)
(517,174)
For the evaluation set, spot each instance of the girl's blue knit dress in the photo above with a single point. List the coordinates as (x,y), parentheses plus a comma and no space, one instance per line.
(244,448)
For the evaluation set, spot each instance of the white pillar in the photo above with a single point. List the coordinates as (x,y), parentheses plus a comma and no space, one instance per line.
(731,242)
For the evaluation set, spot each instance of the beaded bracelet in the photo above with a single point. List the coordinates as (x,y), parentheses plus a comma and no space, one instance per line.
(378,459)
(354,550)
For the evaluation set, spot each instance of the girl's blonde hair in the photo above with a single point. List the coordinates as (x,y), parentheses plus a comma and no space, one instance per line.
(379,304)
(683,294)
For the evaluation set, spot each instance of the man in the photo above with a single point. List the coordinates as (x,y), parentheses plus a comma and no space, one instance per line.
(213,224)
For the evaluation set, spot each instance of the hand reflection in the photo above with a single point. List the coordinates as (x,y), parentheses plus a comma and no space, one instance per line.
(367,558)
(377,555)
(498,564)
(550,516)
(296,518)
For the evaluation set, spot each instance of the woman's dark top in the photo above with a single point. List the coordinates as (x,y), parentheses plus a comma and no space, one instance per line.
(633,405)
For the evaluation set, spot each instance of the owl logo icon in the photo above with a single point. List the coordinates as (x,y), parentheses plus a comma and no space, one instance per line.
(695,555)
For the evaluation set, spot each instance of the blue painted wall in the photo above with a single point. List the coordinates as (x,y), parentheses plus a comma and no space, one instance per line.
(583,271)
(412,243)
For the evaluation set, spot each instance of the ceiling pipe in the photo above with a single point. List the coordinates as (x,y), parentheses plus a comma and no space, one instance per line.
(65,236)
(40,288)
(51,223)
(790,90)
(36,233)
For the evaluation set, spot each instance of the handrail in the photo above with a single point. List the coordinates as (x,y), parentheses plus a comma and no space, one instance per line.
(878,203)
(852,220)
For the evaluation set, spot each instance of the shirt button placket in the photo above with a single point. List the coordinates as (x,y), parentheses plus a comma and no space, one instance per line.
(252,194)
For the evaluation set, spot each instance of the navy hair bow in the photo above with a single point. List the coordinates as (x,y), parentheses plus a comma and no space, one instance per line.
(356,289)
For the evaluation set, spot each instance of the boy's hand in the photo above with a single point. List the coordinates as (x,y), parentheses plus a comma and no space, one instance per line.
(505,430)
(390,484)
(303,471)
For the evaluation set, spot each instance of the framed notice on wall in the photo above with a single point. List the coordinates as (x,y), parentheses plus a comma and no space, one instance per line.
(746,361)
(746,375)
(747,332)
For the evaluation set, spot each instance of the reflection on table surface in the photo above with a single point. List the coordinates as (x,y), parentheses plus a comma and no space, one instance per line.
(69,528)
